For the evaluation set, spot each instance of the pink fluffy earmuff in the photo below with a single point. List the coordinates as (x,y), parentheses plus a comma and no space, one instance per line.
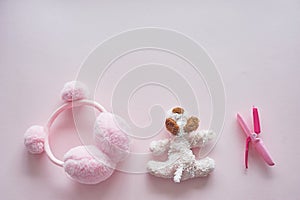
(89,164)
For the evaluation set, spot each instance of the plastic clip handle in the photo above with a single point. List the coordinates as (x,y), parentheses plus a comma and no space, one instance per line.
(244,125)
(263,152)
(248,140)
(256,122)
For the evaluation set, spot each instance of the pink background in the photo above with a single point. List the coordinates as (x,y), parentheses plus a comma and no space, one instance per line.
(256,46)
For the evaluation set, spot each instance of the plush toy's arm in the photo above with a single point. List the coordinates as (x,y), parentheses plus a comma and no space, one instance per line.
(159,147)
(201,138)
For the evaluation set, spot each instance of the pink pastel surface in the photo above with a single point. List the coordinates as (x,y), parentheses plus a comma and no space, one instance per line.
(255,44)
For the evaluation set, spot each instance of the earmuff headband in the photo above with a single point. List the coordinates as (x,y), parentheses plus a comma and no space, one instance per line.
(56,113)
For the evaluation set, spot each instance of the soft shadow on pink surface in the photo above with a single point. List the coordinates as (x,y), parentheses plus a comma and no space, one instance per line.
(112,188)
(167,186)
(33,165)
(40,170)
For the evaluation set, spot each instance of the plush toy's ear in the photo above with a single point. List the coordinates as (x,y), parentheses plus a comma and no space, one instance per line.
(172,126)
(191,125)
(74,90)
(34,139)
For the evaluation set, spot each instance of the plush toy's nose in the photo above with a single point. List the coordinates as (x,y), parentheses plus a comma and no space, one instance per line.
(178,110)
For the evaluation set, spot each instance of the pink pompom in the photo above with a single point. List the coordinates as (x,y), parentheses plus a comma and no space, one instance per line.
(74,90)
(110,138)
(88,165)
(34,139)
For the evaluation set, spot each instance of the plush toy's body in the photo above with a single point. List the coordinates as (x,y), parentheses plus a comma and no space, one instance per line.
(181,163)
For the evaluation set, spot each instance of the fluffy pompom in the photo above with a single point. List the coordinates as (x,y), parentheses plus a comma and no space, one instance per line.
(74,90)
(110,138)
(34,139)
(88,165)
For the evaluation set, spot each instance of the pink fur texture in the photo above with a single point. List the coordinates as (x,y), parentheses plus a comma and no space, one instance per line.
(110,138)
(34,139)
(84,164)
(88,165)
(74,90)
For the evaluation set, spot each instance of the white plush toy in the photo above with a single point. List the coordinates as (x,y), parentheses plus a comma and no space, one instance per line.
(181,163)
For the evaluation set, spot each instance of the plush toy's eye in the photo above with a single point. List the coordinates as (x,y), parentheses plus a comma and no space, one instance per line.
(191,125)
(172,126)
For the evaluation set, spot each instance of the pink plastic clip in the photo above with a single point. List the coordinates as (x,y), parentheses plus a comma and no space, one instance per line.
(248,140)
(253,138)
(256,122)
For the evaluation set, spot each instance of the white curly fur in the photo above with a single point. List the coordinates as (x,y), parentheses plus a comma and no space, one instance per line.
(181,163)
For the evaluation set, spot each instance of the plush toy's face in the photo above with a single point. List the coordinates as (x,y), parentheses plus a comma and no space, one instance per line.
(178,123)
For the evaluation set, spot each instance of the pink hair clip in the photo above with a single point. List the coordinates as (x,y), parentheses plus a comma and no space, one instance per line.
(254,139)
